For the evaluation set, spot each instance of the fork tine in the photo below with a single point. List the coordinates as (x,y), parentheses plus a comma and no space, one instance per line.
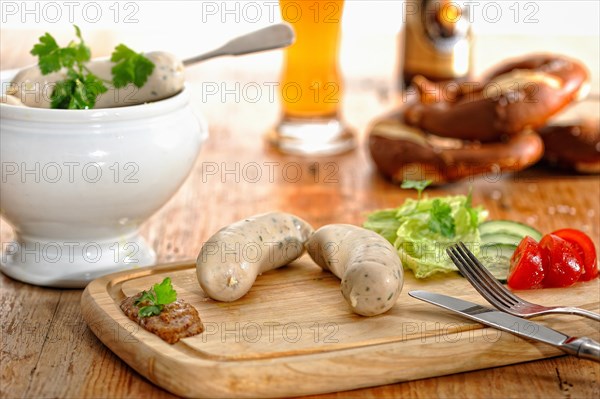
(467,270)
(459,262)
(485,273)
(501,293)
(490,284)
(463,263)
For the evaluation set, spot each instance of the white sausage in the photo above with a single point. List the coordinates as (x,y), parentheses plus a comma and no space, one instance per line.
(166,80)
(368,265)
(231,259)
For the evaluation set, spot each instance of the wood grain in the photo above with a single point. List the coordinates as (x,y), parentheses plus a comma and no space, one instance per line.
(48,351)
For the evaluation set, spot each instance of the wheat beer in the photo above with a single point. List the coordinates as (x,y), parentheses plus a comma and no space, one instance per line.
(310,85)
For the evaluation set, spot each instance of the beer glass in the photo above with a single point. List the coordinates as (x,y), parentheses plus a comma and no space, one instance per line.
(311,86)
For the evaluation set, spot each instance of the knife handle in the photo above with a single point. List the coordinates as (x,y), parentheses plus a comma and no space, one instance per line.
(584,348)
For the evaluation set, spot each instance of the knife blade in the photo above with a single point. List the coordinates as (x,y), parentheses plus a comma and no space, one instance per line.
(585,348)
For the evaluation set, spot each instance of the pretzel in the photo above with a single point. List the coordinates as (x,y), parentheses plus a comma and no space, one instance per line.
(574,146)
(517,95)
(402,152)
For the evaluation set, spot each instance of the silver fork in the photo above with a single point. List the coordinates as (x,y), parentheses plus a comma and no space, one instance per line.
(497,294)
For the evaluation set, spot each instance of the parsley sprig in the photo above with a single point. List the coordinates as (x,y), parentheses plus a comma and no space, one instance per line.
(418,185)
(130,67)
(81,88)
(473,212)
(52,58)
(441,220)
(152,302)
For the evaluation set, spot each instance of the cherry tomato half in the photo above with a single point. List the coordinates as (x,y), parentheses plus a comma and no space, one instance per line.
(526,267)
(586,249)
(562,264)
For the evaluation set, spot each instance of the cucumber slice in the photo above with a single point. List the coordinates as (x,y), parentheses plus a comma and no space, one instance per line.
(496,258)
(500,238)
(509,227)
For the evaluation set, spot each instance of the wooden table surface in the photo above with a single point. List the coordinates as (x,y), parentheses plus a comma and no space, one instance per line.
(48,351)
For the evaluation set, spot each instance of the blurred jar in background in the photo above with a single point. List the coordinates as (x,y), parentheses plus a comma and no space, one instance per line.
(437,41)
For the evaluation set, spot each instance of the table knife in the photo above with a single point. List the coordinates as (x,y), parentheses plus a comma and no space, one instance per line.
(585,348)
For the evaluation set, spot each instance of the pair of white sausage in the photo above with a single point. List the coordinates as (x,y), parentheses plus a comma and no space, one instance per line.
(367,264)
(30,88)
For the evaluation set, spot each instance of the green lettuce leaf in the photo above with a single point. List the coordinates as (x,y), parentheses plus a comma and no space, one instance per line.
(421,230)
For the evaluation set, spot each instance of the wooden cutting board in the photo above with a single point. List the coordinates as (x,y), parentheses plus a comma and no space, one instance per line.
(293,334)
